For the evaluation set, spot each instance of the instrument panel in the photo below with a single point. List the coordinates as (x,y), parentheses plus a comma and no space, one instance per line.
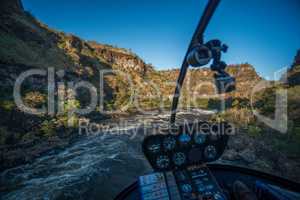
(193,183)
(189,144)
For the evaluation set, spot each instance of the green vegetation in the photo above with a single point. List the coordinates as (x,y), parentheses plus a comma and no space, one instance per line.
(48,128)
(241,115)
(7,106)
(35,99)
(3,136)
(254,130)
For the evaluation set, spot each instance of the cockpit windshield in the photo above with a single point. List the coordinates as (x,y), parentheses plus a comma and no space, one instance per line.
(83,86)
(264,57)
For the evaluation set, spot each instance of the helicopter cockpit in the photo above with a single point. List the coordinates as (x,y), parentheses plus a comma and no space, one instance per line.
(183,156)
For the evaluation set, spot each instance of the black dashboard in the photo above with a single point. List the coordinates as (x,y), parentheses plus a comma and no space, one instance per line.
(189,144)
(225,176)
(178,156)
(181,159)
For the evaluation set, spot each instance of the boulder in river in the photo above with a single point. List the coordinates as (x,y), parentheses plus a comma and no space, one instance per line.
(248,156)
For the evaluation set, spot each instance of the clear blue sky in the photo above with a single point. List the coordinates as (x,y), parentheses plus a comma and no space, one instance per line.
(264,33)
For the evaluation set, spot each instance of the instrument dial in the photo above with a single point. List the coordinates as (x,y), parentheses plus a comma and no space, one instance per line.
(199,138)
(184,138)
(186,188)
(169,143)
(210,152)
(179,158)
(162,162)
(154,145)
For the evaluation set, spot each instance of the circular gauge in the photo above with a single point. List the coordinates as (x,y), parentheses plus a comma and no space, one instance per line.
(162,162)
(184,138)
(199,138)
(219,196)
(210,152)
(154,145)
(169,143)
(186,188)
(179,158)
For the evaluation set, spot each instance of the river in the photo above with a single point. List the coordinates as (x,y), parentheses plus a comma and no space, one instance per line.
(94,167)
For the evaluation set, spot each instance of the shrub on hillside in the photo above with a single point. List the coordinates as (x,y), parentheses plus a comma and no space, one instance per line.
(240,117)
(35,99)
(254,130)
(48,128)
(7,105)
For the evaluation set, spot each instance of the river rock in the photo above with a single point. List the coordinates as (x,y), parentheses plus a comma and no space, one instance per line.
(231,155)
(248,156)
(237,143)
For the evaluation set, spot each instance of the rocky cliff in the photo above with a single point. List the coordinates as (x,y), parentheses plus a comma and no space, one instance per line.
(26,43)
(245,74)
(297,59)
(11,6)
(293,74)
